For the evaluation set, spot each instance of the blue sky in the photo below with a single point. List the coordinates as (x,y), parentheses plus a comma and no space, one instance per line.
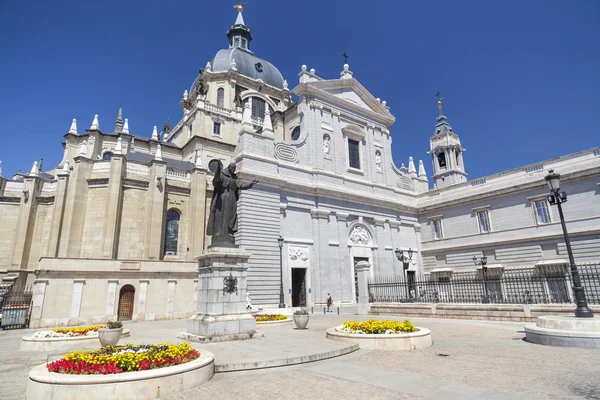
(520,78)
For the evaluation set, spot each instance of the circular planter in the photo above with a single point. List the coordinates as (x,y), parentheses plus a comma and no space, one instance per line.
(404,341)
(109,337)
(280,322)
(301,321)
(152,384)
(30,343)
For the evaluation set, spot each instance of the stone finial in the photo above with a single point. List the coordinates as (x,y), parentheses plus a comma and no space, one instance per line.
(313,71)
(411,166)
(303,68)
(34,169)
(132,146)
(83,149)
(119,146)
(384,103)
(0,169)
(285,85)
(208,67)
(73,127)
(158,154)
(346,73)
(378,100)
(422,173)
(185,95)
(267,124)
(155,134)
(233,65)
(126,126)
(247,115)
(95,124)
(119,120)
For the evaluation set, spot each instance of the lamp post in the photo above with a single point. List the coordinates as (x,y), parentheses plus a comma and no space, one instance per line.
(556,198)
(405,264)
(280,242)
(483,262)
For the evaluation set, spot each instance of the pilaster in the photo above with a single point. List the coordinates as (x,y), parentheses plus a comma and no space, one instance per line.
(142,301)
(156,209)
(25,222)
(111,298)
(57,213)
(37,302)
(363,270)
(114,206)
(76,302)
(197,214)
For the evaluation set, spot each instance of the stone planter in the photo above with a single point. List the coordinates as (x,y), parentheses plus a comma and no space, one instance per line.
(109,337)
(151,384)
(401,341)
(30,343)
(301,321)
(271,323)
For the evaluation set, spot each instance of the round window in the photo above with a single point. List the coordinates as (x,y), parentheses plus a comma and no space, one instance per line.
(296,133)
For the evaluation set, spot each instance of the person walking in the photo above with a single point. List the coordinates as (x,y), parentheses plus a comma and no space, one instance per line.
(329,301)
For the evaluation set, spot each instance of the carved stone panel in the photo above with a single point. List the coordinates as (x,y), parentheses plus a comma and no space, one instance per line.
(298,256)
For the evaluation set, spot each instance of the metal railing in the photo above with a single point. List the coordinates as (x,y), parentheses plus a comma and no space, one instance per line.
(16,307)
(539,285)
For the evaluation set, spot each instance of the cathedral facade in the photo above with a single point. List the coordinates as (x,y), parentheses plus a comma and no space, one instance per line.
(113,231)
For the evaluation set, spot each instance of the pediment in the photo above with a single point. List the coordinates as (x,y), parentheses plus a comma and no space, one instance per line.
(347,93)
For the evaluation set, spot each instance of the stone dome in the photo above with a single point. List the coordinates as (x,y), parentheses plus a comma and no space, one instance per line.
(248,65)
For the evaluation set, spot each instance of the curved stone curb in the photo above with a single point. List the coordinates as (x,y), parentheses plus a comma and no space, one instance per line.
(29,343)
(280,322)
(564,331)
(282,362)
(406,341)
(127,385)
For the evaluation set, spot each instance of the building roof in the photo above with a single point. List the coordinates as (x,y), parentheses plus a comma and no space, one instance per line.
(248,65)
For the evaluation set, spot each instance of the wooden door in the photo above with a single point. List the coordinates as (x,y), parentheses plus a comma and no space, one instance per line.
(126,296)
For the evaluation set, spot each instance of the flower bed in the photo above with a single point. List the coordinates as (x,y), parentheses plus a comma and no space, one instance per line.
(373,326)
(91,330)
(273,317)
(118,359)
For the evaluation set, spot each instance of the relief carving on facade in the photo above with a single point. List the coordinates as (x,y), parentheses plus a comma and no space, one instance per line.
(360,235)
(298,253)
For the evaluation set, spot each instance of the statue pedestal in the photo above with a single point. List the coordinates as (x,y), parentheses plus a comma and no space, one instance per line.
(221,309)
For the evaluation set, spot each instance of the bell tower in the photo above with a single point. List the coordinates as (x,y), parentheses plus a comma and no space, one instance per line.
(446,153)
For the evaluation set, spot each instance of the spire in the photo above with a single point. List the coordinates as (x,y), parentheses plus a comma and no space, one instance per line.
(119,121)
(95,124)
(73,127)
(411,167)
(155,134)
(34,169)
(239,35)
(422,173)
(0,169)
(125,126)
(442,126)
(158,154)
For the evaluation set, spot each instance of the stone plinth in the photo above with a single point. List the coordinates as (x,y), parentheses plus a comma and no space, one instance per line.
(221,315)
(566,331)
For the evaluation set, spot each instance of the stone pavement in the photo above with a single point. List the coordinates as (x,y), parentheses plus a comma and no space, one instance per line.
(468,360)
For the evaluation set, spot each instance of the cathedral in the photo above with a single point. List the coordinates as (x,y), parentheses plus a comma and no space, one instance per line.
(112,232)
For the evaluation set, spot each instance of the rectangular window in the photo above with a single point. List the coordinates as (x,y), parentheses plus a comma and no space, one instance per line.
(353,154)
(484,221)
(220,97)
(542,214)
(437,229)
(258,108)
(217,128)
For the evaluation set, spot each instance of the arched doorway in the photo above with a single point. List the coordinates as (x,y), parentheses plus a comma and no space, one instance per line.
(126,296)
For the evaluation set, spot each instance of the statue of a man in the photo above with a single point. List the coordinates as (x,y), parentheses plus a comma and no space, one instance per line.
(222,221)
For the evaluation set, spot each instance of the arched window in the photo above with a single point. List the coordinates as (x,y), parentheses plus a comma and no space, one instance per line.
(107,156)
(220,97)
(442,160)
(171,233)
(258,107)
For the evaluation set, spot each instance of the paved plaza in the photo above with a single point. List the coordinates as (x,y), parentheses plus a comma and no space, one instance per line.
(468,360)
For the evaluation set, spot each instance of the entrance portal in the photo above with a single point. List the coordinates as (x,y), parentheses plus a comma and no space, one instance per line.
(298,287)
(356,261)
(126,296)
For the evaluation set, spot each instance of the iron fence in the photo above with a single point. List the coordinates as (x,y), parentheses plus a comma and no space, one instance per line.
(539,285)
(16,308)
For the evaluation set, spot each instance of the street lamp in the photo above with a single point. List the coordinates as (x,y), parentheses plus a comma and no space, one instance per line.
(405,264)
(557,198)
(483,262)
(280,242)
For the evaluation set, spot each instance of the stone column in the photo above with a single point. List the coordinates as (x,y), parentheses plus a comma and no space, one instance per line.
(76,302)
(363,270)
(111,298)
(171,298)
(37,302)
(141,308)
(114,202)
(57,213)
(156,209)
(195,295)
